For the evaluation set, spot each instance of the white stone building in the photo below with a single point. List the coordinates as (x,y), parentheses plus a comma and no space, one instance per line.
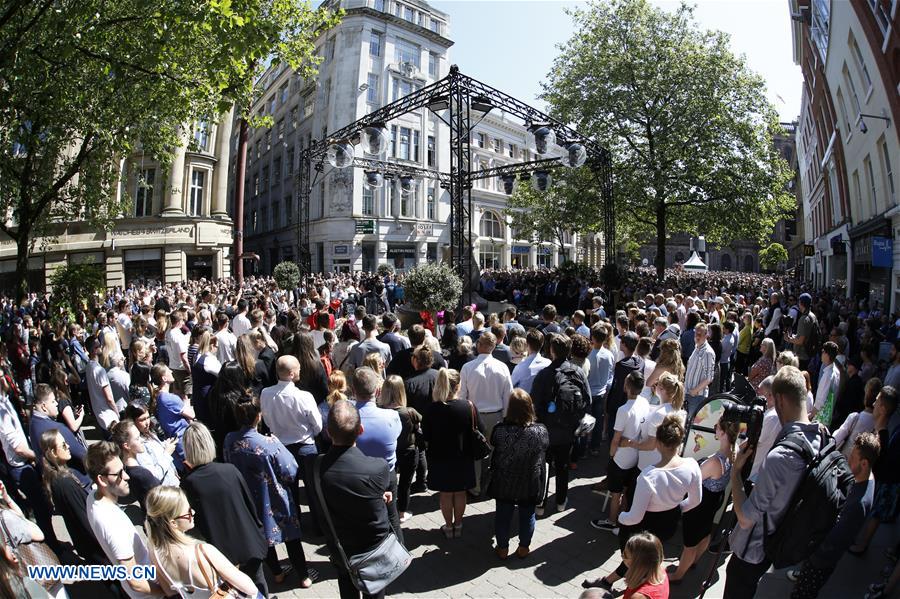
(381,51)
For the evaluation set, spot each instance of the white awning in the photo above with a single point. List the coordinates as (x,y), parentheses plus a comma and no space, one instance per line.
(695,263)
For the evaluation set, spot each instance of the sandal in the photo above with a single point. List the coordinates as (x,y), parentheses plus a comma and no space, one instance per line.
(312,575)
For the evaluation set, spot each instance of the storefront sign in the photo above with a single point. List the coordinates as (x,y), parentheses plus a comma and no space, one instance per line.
(155,231)
(366,227)
(423,229)
(521,249)
(809,250)
(341,250)
(401,252)
(544,251)
(837,246)
(882,252)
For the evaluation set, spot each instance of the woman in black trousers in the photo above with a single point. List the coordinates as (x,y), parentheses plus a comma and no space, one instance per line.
(393,397)
(225,512)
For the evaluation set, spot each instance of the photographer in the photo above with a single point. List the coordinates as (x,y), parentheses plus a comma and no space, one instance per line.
(782,471)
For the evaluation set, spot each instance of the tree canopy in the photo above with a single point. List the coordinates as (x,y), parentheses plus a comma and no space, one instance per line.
(84,84)
(688,123)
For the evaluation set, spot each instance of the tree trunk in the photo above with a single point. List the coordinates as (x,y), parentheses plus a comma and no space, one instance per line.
(660,241)
(22,244)
(240,176)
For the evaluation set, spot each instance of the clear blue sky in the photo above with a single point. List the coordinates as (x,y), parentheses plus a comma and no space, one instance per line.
(511,44)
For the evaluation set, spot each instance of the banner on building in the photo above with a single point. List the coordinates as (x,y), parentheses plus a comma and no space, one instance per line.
(882,252)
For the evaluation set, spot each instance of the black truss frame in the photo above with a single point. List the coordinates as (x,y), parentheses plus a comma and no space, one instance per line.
(458,91)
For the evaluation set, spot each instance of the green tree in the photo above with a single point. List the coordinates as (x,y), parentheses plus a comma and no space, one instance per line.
(287,275)
(74,286)
(773,255)
(688,123)
(433,287)
(84,84)
(572,204)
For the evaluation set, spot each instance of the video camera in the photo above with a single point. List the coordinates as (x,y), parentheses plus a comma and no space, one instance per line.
(745,406)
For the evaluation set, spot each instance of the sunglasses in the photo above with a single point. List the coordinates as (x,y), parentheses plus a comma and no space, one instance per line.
(188,516)
(116,475)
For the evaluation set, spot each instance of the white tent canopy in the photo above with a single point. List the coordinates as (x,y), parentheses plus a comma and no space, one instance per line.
(695,263)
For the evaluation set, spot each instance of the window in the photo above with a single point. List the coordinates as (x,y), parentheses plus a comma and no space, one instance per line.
(264,218)
(254,221)
(481,140)
(368,201)
(888,173)
(290,161)
(415,152)
(405,135)
(268,139)
(195,205)
(409,14)
(513,151)
(407,200)
(201,135)
(394,141)
(819,30)
(272,104)
(294,112)
(433,64)
(843,109)
(860,64)
(288,209)
(379,5)
(283,92)
(276,170)
(435,25)
(280,129)
(871,184)
(405,51)
(490,256)
(309,104)
(327,94)
(431,151)
(372,92)
(849,82)
(255,185)
(265,178)
(429,204)
(375,43)
(329,48)
(402,88)
(143,195)
(498,145)
(491,225)
(392,200)
(857,187)
(881,16)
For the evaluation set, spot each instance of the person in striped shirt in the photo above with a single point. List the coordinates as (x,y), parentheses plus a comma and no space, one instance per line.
(701,370)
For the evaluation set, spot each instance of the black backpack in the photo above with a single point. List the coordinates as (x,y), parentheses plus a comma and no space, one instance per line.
(816,503)
(567,392)
(811,343)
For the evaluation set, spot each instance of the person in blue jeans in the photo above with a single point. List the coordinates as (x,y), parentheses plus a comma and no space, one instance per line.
(518,474)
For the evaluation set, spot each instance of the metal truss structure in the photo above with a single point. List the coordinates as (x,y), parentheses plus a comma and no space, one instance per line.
(461,98)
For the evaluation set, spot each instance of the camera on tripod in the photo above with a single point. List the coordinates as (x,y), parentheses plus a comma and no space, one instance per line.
(751,415)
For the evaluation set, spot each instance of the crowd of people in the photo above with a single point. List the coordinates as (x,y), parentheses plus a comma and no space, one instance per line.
(215,412)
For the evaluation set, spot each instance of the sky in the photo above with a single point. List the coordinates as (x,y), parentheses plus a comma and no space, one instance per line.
(511,44)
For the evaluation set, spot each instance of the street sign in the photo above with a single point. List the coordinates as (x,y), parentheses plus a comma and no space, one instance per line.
(809,250)
(366,227)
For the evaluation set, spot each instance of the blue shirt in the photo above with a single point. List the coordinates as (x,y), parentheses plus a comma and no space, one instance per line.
(381,428)
(687,344)
(600,376)
(525,371)
(168,412)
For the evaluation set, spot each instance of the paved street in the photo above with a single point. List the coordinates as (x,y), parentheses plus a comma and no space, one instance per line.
(565,550)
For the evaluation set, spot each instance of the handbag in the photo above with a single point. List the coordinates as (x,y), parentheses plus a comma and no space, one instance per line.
(370,572)
(33,553)
(480,446)
(586,426)
(221,590)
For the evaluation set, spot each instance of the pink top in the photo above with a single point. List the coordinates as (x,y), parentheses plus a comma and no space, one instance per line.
(652,591)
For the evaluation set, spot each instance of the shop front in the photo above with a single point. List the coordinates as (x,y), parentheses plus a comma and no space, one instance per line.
(200,267)
(873,258)
(402,256)
(143,267)
(520,256)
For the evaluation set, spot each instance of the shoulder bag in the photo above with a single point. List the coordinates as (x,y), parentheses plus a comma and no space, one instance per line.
(34,553)
(220,589)
(480,446)
(375,569)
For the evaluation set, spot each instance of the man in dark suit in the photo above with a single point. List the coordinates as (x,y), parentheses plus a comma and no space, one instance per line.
(401,362)
(391,335)
(357,492)
(419,389)
(43,418)
(502,352)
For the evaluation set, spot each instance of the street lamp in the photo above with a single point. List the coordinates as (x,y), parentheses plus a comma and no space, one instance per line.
(374,179)
(541,181)
(407,184)
(375,139)
(544,138)
(575,155)
(340,154)
(509,183)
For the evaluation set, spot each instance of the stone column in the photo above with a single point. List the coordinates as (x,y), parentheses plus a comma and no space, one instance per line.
(174,197)
(218,206)
(532,255)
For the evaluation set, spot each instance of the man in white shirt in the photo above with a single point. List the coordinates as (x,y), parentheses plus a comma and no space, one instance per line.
(486,382)
(124,326)
(701,370)
(829,380)
(113,530)
(102,401)
(177,346)
(291,414)
(622,471)
(227,342)
(240,324)
(771,426)
(525,371)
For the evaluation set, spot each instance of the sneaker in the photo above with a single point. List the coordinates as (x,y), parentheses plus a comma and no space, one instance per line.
(405,516)
(603,524)
(539,511)
(793,574)
(561,507)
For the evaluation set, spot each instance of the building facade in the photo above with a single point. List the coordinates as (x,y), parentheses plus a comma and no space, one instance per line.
(382,50)
(849,52)
(174,226)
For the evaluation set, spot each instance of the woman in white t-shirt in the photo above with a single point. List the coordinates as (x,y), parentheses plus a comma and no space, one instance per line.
(659,496)
(645,344)
(858,422)
(671,396)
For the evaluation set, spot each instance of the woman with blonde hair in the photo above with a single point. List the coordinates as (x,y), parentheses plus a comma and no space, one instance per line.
(186,565)
(375,362)
(446,428)
(204,372)
(669,360)
(110,351)
(697,523)
(393,397)
(646,578)
(765,365)
(670,391)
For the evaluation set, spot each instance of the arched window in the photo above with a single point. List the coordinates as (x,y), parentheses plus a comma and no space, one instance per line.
(749,265)
(491,225)
(726,261)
